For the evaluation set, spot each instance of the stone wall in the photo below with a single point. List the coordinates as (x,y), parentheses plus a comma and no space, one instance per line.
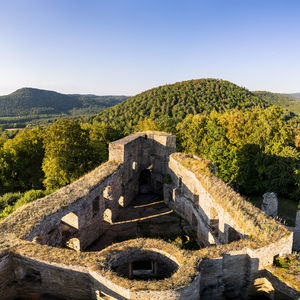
(34,279)
(226,276)
(103,286)
(192,201)
(283,288)
(82,222)
(270,204)
(139,152)
(78,214)
(89,214)
(6,278)
(230,274)
(296,229)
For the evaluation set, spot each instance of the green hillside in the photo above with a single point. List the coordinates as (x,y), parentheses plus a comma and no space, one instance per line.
(28,106)
(175,101)
(29,101)
(284,100)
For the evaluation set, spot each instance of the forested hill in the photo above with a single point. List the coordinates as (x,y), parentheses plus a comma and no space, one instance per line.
(30,101)
(287,101)
(175,101)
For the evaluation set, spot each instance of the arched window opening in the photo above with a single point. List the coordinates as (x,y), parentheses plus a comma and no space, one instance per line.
(32,276)
(73,243)
(69,228)
(170,195)
(179,182)
(96,206)
(107,216)
(134,166)
(107,193)
(71,220)
(159,187)
(121,201)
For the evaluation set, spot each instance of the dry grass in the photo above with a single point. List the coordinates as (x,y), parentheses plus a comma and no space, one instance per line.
(260,228)
(23,220)
(218,251)
(196,164)
(98,261)
(187,265)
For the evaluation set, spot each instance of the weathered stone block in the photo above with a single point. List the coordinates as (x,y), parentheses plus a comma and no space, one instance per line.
(270,204)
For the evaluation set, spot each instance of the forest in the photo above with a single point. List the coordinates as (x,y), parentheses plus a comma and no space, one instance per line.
(253,144)
(29,106)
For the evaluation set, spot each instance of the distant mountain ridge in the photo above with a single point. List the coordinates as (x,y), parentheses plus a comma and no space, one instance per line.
(32,101)
(288,101)
(294,95)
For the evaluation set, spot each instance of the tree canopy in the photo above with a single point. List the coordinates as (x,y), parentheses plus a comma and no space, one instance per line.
(171,103)
(253,150)
(67,153)
(21,160)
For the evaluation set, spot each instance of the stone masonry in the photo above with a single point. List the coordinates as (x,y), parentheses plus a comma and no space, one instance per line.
(42,244)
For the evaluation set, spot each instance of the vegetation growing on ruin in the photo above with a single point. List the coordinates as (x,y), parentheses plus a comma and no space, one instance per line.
(28,216)
(187,265)
(287,269)
(187,260)
(260,228)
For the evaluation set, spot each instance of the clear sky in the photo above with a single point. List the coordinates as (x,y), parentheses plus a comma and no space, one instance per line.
(127,46)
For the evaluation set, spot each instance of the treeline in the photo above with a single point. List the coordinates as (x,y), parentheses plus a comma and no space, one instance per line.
(253,150)
(254,146)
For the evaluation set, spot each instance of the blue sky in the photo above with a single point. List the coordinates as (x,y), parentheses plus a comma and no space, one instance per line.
(127,46)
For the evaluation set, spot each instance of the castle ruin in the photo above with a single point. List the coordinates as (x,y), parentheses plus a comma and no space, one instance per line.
(45,246)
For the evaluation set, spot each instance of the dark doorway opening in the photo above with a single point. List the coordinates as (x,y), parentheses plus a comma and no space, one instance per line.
(145,182)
